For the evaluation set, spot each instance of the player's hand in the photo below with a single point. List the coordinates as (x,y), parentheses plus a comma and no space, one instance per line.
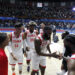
(67,58)
(55,55)
(15,58)
(61,56)
(25,54)
(27,48)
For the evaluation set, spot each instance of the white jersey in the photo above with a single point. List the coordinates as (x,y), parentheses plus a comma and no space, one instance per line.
(30,38)
(73,56)
(44,43)
(16,43)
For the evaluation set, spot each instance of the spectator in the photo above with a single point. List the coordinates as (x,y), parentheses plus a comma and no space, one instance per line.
(3,58)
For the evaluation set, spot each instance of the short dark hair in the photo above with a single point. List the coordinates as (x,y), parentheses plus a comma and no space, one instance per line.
(17,25)
(64,34)
(70,38)
(3,37)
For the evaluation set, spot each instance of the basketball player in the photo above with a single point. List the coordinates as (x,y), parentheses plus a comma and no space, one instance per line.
(66,52)
(69,41)
(15,48)
(31,34)
(42,27)
(4,40)
(38,56)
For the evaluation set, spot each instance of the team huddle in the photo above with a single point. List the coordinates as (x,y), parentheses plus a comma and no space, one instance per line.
(34,44)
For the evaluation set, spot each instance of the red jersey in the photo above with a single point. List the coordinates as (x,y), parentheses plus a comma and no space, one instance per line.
(3,63)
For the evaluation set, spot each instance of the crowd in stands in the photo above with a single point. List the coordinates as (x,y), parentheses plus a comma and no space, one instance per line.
(7,23)
(34,12)
(59,25)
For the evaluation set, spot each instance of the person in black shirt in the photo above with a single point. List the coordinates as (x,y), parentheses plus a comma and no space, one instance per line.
(66,53)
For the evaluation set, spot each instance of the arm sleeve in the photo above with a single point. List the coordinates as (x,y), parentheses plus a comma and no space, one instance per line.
(9,47)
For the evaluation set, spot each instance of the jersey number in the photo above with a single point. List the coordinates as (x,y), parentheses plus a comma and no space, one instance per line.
(16,45)
(31,40)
